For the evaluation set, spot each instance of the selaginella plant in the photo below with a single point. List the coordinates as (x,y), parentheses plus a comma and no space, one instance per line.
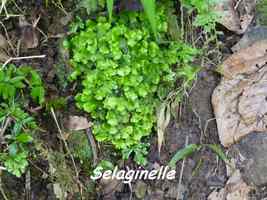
(121,67)
(17,126)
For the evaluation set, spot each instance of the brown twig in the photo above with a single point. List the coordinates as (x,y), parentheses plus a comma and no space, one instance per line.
(22,58)
(28,185)
(2,190)
(2,131)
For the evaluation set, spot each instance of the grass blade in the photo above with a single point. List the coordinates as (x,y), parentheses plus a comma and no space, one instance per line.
(218,150)
(110,8)
(185,152)
(150,10)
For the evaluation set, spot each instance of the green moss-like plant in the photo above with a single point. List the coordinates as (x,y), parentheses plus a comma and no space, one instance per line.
(261,13)
(122,67)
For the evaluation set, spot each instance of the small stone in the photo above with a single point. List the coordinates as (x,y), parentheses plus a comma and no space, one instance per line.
(173,191)
(156,194)
(235,189)
(251,36)
(253,158)
(140,189)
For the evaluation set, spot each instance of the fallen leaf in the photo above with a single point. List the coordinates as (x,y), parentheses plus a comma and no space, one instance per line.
(29,35)
(76,123)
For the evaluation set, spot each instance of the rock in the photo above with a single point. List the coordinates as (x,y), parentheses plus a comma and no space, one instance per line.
(235,189)
(246,61)
(253,158)
(173,191)
(156,194)
(251,36)
(230,17)
(140,189)
(239,101)
(236,15)
(108,187)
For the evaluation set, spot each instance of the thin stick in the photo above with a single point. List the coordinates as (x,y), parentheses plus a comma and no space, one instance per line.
(28,185)
(64,141)
(237,4)
(22,58)
(2,131)
(181,173)
(182,22)
(67,148)
(93,145)
(2,190)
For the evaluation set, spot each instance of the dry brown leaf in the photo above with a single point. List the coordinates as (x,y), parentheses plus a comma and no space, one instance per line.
(163,120)
(29,34)
(76,123)
(239,101)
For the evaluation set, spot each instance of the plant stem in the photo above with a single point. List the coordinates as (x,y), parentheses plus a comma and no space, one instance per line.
(2,190)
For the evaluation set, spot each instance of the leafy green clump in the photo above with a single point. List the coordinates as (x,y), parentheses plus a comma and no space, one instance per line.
(17,126)
(78,144)
(13,79)
(122,68)
(261,12)
(206,16)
